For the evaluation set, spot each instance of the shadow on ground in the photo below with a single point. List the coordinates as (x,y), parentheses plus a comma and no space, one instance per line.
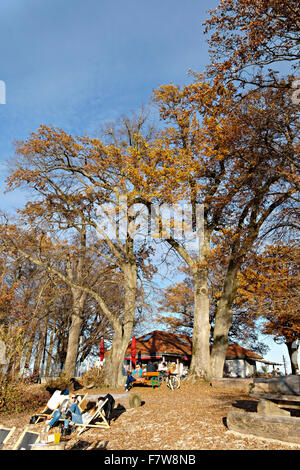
(247,405)
(251,406)
(84,445)
(117,412)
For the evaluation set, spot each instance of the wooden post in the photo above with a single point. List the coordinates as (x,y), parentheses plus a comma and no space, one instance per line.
(284,365)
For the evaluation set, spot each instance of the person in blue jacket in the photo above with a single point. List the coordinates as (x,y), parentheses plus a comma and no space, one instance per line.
(133,377)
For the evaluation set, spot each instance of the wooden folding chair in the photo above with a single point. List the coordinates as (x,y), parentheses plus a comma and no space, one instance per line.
(5,434)
(26,439)
(98,414)
(81,398)
(45,413)
(81,404)
(48,412)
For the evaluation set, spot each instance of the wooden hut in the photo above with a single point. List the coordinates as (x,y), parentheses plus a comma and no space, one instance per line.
(161,346)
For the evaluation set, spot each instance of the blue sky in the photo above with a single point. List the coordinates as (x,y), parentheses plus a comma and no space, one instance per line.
(77,64)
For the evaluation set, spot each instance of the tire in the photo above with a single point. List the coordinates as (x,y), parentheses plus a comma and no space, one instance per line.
(174,382)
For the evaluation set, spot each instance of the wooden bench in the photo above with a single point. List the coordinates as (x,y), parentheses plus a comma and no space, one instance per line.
(284,401)
(284,391)
(271,421)
(148,378)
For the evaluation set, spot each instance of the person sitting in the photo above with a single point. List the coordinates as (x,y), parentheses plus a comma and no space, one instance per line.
(69,410)
(151,367)
(163,369)
(133,377)
(279,373)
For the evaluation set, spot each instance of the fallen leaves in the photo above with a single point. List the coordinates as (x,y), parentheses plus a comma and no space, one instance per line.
(191,418)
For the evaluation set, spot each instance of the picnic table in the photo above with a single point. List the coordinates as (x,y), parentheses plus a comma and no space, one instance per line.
(149,378)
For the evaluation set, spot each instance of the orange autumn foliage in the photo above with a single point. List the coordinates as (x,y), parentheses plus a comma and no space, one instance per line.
(270,286)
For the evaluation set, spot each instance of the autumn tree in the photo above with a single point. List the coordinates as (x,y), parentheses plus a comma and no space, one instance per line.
(255,44)
(176,309)
(76,177)
(250,36)
(269,289)
(230,157)
(63,313)
(22,289)
(268,133)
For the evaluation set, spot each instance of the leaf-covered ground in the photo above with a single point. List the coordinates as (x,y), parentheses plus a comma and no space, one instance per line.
(191,418)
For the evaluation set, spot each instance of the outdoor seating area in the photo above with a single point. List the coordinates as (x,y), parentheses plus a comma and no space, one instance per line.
(148,378)
(208,415)
(58,418)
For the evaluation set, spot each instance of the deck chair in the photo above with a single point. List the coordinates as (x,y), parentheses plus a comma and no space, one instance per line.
(94,415)
(26,439)
(5,434)
(53,404)
(81,403)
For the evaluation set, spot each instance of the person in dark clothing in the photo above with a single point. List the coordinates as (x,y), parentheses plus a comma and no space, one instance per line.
(75,385)
(150,367)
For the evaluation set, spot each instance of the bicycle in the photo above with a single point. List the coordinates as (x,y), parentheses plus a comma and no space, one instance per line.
(171,380)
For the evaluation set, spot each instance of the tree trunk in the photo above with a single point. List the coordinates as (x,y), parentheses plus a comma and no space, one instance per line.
(293,348)
(223,322)
(200,362)
(39,351)
(29,350)
(50,359)
(112,370)
(42,371)
(79,298)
